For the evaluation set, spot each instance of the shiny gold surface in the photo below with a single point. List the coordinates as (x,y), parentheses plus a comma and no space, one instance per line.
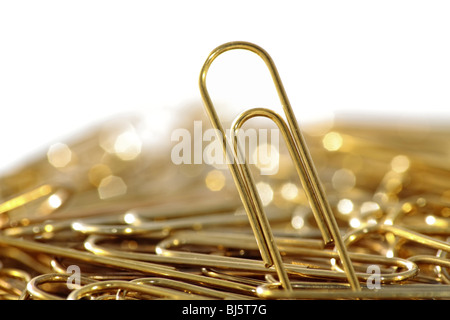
(357,210)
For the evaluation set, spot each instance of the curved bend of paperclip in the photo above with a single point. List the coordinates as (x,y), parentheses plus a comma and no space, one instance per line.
(246,187)
(93,289)
(152,287)
(404,269)
(398,231)
(295,156)
(36,292)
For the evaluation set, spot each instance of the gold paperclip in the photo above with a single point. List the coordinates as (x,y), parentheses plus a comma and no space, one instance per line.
(246,186)
(131,265)
(90,291)
(48,199)
(34,291)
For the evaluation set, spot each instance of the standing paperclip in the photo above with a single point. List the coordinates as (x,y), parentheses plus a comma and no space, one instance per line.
(247,189)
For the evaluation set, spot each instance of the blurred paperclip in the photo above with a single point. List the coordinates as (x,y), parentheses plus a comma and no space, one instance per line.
(43,201)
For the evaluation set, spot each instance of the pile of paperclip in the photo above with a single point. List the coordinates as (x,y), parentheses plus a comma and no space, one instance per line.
(107,217)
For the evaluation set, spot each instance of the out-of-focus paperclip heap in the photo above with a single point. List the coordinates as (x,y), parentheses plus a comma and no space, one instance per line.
(356,210)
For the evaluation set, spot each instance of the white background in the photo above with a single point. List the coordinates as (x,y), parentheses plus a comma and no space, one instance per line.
(65,65)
